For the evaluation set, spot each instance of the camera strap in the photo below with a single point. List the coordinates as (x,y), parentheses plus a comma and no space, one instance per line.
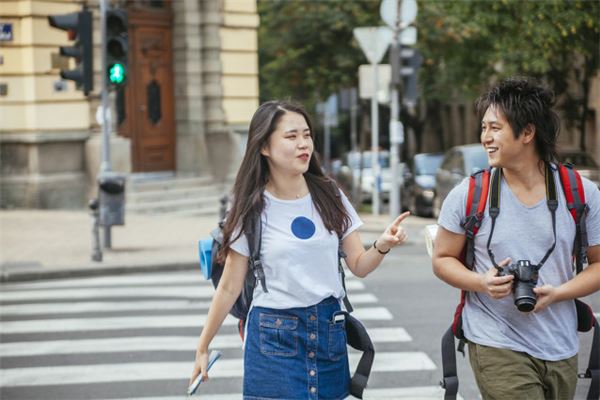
(494,210)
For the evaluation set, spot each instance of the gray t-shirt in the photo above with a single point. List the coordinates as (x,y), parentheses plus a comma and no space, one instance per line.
(524,233)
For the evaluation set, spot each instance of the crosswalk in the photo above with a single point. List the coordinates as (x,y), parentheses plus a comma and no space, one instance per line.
(134,336)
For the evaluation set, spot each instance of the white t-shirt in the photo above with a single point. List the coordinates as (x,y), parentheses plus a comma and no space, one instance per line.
(299,255)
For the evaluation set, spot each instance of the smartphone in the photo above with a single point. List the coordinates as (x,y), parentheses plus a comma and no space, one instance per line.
(214,356)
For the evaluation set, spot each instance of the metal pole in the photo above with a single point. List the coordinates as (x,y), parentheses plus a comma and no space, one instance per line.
(327,150)
(375,168)
(353,142)
(105,165)
(394,119)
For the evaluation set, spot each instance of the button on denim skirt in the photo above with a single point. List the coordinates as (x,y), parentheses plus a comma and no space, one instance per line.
(296,353)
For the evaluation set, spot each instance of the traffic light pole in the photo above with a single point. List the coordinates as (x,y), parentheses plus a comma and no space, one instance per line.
(105,166)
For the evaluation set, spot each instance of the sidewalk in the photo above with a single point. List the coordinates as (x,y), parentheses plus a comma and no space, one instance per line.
(36,244)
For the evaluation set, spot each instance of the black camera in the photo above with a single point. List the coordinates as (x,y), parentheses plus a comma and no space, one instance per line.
(526,276)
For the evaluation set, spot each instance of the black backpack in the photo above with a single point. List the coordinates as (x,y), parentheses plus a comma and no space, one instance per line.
(480,183)
(357,335)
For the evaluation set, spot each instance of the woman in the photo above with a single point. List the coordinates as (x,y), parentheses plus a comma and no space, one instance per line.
(295,346)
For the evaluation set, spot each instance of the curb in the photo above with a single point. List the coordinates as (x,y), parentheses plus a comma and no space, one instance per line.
(25,275)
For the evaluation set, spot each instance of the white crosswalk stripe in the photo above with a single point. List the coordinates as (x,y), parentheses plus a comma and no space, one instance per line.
(131,372)
(135,305)
(105,308)
(155,343)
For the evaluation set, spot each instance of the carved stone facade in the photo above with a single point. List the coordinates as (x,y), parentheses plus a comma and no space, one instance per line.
(50,142)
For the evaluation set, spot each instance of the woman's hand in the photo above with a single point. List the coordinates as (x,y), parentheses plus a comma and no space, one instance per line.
(200,366)
(496,286)
(393,235)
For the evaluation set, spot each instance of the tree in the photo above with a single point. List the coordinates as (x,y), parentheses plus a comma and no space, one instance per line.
(306,48)
(468,44)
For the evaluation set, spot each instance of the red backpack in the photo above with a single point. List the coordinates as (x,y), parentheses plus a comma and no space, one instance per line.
(479,186)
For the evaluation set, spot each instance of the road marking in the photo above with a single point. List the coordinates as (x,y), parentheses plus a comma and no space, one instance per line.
(130,305)
(418,392)
(114,345)
(111,323)
(388,335)
(352,284)
(372,313)
(183,291)
(168,278)
(154,321)
(112,281)
(130,372)
(100,306)
(360,298)
(153,343)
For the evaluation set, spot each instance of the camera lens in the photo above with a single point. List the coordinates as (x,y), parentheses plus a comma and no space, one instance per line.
(525,304)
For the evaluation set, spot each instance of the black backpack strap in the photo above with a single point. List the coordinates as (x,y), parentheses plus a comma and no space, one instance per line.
(450,380)
(494,209)
(358,338)
(575,197)
(342,255)
(254,242)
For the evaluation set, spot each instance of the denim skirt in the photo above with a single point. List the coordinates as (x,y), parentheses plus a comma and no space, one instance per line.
(296,353)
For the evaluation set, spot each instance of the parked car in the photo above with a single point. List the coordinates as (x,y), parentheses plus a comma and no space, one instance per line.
(350,174)
(584,163)
(418,185)
(458,163)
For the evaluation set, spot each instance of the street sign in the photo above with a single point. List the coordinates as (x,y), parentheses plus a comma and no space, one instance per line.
(365,82)
(100,116)
(374,41)
(396,132)
(408,36)
(331,114)
(388,10)
(6,32)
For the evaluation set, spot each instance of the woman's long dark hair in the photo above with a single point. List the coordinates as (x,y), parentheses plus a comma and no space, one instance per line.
(253,175)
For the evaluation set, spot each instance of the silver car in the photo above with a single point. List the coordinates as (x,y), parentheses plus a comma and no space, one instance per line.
(458,163)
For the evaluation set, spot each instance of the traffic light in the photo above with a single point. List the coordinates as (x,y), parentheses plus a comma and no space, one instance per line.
(79,27)
(116,47)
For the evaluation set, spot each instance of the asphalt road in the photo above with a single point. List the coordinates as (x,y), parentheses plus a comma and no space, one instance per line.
(133,336)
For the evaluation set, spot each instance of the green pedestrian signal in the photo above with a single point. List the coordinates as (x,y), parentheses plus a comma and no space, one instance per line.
(117,46)
(116,74)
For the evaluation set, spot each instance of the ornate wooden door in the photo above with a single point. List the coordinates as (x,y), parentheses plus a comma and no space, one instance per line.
(148,98)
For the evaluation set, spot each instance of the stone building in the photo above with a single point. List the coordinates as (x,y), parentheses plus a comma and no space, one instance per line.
(199,57)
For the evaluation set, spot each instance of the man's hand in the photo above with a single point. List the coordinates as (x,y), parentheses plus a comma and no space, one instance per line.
(546,295)
(495,286)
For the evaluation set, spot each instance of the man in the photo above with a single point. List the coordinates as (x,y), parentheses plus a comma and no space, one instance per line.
(514,354)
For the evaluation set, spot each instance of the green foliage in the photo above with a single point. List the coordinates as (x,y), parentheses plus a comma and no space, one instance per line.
(306,48)
(467,44)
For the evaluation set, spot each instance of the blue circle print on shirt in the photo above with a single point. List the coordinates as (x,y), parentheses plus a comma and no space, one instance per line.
(303,228)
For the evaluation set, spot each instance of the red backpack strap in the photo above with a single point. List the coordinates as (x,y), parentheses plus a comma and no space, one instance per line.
(575,196)
(476,200)
(475,208)
(479,184)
